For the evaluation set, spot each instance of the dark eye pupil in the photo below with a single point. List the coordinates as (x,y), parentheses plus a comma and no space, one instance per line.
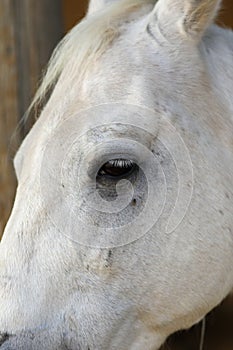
(117,168)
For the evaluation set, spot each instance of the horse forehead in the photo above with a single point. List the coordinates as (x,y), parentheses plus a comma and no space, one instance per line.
(140,72)
(133,70)
(125,73)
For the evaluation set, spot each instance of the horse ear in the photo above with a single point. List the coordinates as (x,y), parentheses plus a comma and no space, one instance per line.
(186,17)
(96,5)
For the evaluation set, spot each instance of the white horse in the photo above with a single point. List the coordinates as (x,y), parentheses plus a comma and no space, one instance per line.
(122,227)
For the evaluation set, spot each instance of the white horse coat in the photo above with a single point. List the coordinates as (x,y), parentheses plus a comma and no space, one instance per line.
(122,227)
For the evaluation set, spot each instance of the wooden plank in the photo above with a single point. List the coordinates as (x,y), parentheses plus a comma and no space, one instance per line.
(8,107)
(73,11)
(38,28)
(226,14)
(29,30)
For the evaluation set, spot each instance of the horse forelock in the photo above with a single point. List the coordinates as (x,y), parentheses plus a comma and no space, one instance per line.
(85,43)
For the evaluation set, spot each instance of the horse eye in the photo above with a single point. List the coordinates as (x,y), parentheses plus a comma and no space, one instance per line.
(117,168)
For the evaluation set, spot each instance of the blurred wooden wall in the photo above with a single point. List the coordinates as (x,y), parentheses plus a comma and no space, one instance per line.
(29,31)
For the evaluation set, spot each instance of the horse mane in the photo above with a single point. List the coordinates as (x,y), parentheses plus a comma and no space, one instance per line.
(85,43)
